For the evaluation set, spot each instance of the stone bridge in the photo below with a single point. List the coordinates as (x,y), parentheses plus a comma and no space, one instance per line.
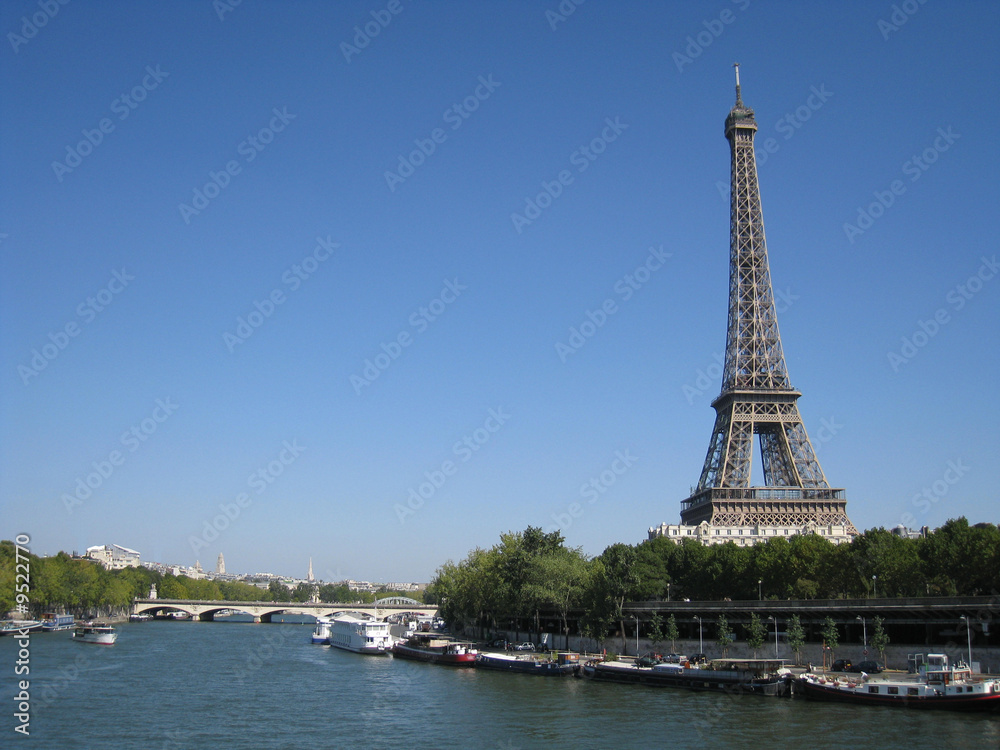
(263,611)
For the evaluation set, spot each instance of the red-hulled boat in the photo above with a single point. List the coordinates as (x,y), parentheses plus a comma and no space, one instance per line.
(937,686)
(426,647)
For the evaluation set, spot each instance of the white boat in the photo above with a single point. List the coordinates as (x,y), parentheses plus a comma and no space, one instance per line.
(360,636)
(99,633)
(321,634)
(19,627)
(936,685)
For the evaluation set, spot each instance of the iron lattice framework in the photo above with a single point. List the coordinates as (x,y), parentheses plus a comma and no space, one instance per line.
(757,398)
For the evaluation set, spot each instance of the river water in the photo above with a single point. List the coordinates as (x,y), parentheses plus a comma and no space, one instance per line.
(225,684)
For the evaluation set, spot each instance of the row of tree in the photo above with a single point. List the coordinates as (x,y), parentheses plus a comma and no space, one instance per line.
(80,586)
(528,573)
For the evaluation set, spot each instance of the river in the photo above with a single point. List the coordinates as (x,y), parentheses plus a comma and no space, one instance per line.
(178,685)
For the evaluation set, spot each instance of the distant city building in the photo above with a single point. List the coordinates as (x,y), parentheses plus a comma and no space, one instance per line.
(220,565)
(745,536)
(907,533)
(114,556)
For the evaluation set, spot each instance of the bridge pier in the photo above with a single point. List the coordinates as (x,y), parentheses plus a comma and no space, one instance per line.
(256,619)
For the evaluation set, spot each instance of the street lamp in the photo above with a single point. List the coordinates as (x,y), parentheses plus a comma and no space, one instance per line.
(760,595)
(636,634)
(864,627)
(668,591)
(772,617)
(874,587)
(701,643)
(968,632)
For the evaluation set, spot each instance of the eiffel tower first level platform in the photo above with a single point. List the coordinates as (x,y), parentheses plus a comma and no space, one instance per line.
(757,400)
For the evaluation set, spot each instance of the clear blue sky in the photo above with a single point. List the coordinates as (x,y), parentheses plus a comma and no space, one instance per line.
(129,286)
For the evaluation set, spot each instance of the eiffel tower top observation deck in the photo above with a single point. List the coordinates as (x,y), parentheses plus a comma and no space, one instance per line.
(757,398)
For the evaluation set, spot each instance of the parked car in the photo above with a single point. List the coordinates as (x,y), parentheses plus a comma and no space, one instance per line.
(500,643)
(871,667)
(526,646)
(649,660)
(843,665)
(699,659)
(675,658)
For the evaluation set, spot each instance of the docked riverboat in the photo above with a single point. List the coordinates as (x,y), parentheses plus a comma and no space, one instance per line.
(743,676)
(431,648)
(321,633)
(564,663)
(19,627)
(360,636)
(936,685)
(99,633)
(52,622)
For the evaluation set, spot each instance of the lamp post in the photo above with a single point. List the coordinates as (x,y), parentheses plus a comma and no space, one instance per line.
(701,643)
(875,587)
(760,595)
(668,591)
(968,632)
(864,627)
(634,617)
(772,617)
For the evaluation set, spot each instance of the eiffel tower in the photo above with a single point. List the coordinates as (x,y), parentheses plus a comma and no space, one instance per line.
(756,397)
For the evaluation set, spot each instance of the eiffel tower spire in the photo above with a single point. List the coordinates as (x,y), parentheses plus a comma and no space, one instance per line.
(757,397)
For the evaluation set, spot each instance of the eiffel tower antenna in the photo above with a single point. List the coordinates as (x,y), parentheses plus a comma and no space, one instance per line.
(757,398)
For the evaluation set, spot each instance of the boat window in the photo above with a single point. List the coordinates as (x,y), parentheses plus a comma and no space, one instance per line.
(912,691)
(893,691)
(873,688)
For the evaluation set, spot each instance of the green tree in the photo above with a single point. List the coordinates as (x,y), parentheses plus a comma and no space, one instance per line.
(619,580)
(796,636)
(655,629)
(303,592)
(880,638)
(561,577)
(279,592)
(171,588)
(831,636)
(723,635)
(755,633)
(671,633)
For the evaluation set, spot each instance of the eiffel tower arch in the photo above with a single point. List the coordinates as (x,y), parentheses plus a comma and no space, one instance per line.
(757,399)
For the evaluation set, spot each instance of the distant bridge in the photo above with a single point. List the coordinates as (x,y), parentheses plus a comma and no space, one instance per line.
(263,611)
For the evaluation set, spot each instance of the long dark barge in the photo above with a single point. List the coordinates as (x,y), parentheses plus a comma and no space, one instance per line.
(767,677)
